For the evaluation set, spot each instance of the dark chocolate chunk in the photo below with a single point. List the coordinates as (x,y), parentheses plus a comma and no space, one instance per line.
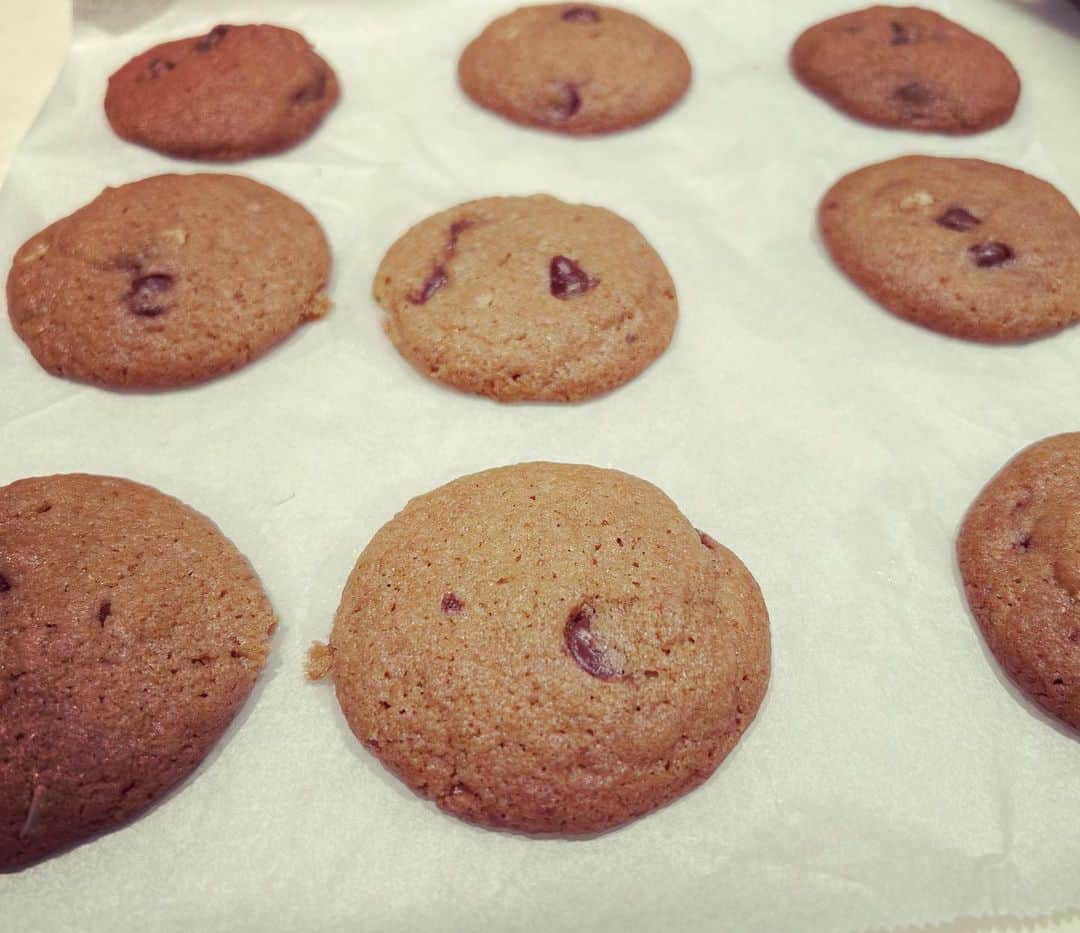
(581,14)
(900,34)
(4,584)
(565,102)
(568,279)
(432,284)
(914,94)
(451,603)
(582,648)
(145,295)
(211,39)
(956,218)
(985,255)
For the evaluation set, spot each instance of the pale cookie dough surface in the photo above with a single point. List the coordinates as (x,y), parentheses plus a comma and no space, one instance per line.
(968,248)
(168,281)
(1019,553)
(548,647)
(527,299)
(131,631)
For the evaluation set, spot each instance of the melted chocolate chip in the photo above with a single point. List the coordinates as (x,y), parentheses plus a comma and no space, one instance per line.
(211,39)
(4,584)
(104,611)
(432,284)
(158,65)
(568,279)
(707,541)
(900,34)
(145,295)
(314,91)
(914,94)
(581,14)
(565,102)
(956,218)
(451,603)
(985,255)
(580,644)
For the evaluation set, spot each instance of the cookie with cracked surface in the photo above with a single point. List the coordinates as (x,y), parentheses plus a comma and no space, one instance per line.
(237,91)
(131,632)
(574,68)
(527,299)
(168,281)
(548,647)
(1019,555)
(907,67)
(968,248)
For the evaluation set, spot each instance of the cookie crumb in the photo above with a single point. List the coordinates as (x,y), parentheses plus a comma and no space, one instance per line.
(319,660)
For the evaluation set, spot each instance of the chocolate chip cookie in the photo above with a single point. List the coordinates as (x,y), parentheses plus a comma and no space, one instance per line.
(237,91)
(574,68)
(548,647)
(1019,553)
(907,67)
(968,248)
(527,298)
(131,631)
(168,281)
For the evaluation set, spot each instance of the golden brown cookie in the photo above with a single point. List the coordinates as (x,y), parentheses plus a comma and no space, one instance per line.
(237,91)
(907,67)
(168,281)
(131,631)
(969,248)
(1019,553)
(548,647)
(575,68)
(527,299)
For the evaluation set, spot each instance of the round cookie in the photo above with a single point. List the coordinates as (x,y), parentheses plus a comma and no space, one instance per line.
(1019,554)
(548,647)
(574,68)
(964,247)
(907,67)
(168,281)
(131,631)
(235,92)
(527,299)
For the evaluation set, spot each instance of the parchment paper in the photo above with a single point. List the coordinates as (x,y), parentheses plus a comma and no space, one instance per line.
(892,777)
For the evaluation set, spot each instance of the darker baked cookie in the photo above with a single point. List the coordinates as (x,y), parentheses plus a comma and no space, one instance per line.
(909,68)
(574,68)
(527,298)
(131,631)
(235,92)
(168,281)
(1019,553)
(548,647)
(968,248)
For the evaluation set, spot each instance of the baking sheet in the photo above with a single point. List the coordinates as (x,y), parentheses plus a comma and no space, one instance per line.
(892,777)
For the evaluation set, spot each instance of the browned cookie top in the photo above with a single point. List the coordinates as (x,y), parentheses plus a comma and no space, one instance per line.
(965,247)
(527,298)
(168,281)
(235,92)
(575,68)
(131,631)
(907,67)
(1019,552)
(548,647)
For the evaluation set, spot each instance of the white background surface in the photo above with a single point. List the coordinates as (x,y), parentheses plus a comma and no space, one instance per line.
(892,776)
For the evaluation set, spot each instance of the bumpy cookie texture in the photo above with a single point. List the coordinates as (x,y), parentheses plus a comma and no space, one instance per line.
(527,299)
(168,281)
(548,647)
(1019,553)
(907,67)
(131,631)
(964,247)
(235,92)
(574,68)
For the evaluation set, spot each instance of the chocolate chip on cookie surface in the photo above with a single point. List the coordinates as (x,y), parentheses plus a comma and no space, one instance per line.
(527,298)
(968,248)
(548,647)
(235,92)
(907,67)
(168,281)
(131,631)
(1019,554)
(574,68)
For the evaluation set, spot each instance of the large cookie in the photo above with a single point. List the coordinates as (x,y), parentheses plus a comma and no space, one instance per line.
(1019,552)
(527,298)
(235,92)
(574,68)
(168,281)
(131,631)
(907,67)
(548,647)
(968,248)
